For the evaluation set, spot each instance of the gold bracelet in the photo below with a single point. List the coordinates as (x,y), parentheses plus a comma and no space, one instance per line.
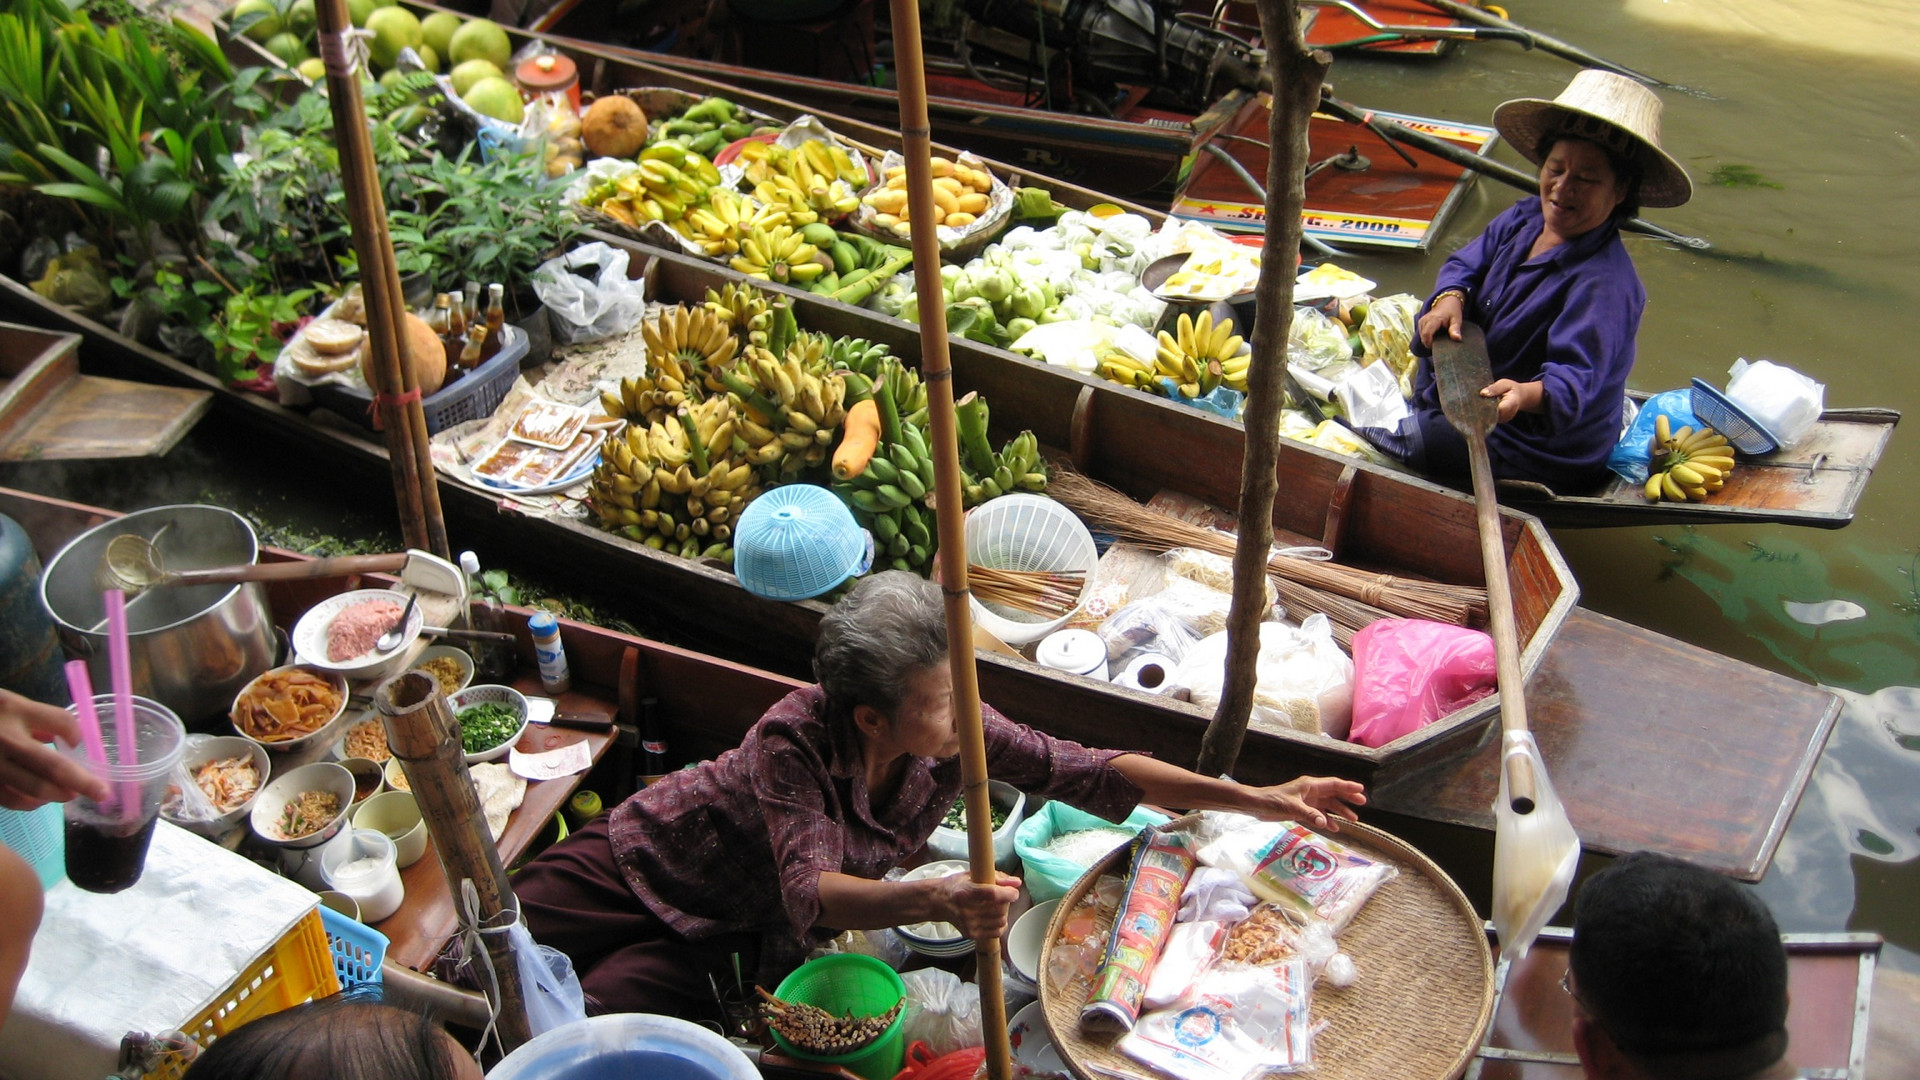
(1444,293)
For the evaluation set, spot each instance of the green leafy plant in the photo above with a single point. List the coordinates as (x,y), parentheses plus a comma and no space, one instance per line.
(247,337)
(1741,176)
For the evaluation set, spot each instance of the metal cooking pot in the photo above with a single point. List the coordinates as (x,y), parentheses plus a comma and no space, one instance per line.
(193,647)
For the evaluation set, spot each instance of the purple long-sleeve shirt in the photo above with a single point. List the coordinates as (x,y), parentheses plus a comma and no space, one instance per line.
(1567,318)
(739,843)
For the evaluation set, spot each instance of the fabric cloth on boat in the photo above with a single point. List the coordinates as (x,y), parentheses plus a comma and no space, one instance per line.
(1566,318)
(735,846)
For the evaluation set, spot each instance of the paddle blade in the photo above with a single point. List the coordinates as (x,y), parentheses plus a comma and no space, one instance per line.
(1534,855)
(1461,370)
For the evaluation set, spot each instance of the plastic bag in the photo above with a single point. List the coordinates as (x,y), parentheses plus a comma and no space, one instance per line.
(942,1011)
(1048,874)
(548,982)
(1634,453)
(1244,1021)
(1306,875)
(1305,683)
(588,309)
(1407,673)
(1191,949)
(1386,335)
(185,802)
(1785,402)
(1168,622)
(1372,398)
(1316,341)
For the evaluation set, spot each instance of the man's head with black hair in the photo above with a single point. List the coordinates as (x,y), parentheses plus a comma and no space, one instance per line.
(1677,974)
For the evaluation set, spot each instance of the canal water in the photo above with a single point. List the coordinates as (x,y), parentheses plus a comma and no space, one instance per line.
(1816,265)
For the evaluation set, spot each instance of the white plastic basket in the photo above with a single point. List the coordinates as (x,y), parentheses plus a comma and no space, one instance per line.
(1027,532)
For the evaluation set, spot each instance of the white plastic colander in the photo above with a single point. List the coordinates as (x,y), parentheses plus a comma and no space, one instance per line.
(1027,532)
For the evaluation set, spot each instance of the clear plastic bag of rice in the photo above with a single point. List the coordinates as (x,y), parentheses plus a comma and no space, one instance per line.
(1209,569)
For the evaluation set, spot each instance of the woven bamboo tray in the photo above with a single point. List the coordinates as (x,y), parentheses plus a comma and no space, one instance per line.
(1418,1011)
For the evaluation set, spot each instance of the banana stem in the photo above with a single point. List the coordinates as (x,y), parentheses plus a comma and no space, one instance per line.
(701,466)
(859,291)
(889,412)
(859,388)
(970,413)
(750,396)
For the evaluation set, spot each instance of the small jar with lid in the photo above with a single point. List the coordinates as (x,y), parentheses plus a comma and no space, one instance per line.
(550,73)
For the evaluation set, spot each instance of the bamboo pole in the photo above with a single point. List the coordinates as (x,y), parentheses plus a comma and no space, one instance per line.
(396,389)
(1297,75)
(424,736)
(1534,39)
(936,370)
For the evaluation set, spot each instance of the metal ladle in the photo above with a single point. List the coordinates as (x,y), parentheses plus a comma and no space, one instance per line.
(134,564)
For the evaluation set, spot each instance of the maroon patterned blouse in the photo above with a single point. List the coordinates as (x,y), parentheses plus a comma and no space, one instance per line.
(739,843)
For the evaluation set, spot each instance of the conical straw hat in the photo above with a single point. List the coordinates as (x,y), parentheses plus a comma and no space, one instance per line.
(1608,109)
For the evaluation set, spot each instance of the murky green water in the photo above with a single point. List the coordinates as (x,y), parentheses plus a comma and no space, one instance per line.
(1818,273)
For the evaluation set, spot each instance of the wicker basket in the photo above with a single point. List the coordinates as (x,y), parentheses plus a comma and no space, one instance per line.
(1418,1012)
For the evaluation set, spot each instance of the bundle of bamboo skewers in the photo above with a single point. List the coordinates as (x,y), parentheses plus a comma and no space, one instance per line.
(816,1031)
(1052,593)
(1114,512)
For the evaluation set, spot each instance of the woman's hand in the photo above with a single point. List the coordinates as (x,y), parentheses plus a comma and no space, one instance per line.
(1447,313)
(1318,801)
(1516,397)
(979,911)
(31,772)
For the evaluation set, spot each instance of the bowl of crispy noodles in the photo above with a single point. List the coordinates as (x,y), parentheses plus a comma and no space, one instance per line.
(287,708)
(304,807)
(451,666)
(230,771)
(364,739)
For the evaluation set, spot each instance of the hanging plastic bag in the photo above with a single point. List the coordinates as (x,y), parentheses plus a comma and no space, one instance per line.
(1534,855)
(942,1011)
(1407,673)
(1386,335)
(1631,458)
(587,308)
(547,981)
(1304,681)
(1785,402)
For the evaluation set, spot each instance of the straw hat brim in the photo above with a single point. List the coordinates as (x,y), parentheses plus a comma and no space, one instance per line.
(1524,121)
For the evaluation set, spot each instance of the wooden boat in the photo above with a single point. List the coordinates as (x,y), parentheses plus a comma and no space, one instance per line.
(1817,484)
(1595,700)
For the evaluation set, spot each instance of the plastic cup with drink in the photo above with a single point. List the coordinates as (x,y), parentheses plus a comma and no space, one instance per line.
(107,841)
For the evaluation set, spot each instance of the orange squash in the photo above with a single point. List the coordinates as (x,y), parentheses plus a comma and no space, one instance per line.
(859,437)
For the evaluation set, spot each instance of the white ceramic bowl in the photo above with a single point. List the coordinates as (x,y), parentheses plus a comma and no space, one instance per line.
(936,938)
(204,748)
(457,655)
(396,776)
(319,776)
(1029,933)
(505,695)
(396,814)
(1032,1043)
(328,730)
(948,843)
(310,636)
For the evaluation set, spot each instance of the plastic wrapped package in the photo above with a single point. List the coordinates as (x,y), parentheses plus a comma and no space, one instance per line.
(1191,949)
(1242,1022)
(942,1011)
(1209,569)
(1386,335)
(1785,402)
(1162,862)
(1304,682)
(1215,894)
(1410,672)
(1168,622)
(1104,600)
(1306,875)
(1316,341)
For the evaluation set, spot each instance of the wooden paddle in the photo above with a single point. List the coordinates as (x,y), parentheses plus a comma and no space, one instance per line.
(1535,848)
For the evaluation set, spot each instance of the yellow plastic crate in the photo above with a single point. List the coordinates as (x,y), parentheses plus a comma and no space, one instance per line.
(297,969)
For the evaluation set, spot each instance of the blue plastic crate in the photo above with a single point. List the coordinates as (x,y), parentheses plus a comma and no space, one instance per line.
(358,949)
(470,397)
(38,836)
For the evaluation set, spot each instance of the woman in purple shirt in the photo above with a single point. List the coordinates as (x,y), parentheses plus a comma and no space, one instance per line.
(1552,285)
(772,848)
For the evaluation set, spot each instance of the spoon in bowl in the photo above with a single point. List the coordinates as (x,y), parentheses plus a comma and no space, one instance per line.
(393,638)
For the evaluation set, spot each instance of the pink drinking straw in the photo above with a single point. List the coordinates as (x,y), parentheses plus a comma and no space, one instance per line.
(120,660)
(80,685)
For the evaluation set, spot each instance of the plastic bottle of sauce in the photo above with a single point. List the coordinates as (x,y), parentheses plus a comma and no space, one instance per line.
(552,654)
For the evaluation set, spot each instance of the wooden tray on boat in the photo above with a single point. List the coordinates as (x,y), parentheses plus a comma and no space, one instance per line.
(49,411)
(1418,1011)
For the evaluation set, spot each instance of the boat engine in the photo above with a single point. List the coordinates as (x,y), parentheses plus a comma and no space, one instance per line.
(1133,42)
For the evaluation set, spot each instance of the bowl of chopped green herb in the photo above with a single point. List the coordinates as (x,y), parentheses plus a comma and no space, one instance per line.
(492,719)
(1008,803)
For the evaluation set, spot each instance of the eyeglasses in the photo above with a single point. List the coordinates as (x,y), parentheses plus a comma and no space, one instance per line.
(1566,982)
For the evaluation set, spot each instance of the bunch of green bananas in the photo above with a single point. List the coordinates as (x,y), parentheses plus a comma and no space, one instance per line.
(1196,357)
(789,410)
(857,355)
(871,367)
(989,475)
(668,181)
(1687,464)
(778,254)
(892,497)
(676,484)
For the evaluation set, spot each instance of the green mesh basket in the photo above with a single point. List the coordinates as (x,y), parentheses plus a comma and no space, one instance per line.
(850,983)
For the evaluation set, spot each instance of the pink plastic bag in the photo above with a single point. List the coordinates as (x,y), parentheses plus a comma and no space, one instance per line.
(1410,672)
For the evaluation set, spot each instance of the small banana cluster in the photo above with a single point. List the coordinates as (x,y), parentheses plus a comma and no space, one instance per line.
(989,475)
(684,346)
(811,181)
(745,308)
(676,484)
(1687,464)
(1197,358)
(857,355)
(789,409)
(779,254)
(668,182)
(728,217)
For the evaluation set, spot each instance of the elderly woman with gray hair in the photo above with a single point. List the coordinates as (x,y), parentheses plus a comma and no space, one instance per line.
(764,852)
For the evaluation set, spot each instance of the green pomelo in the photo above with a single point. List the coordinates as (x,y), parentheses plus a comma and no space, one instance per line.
(358,11)
(481,39)
(268,23)
(313,68)
(429,59)
(438,30)
(465,74)
(288,48)
(496,97)
(394,28)
(301,17)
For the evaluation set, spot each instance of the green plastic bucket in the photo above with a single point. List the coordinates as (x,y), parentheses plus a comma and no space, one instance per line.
(850,983)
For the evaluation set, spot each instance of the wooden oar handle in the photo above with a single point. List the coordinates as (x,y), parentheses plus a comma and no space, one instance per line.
(304,570)
(1520,783)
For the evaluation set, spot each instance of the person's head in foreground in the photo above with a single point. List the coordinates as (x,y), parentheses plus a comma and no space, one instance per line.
(1676,974)
(344,1037)
(882,660)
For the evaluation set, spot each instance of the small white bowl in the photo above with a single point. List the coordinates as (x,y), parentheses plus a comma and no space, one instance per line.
(1029,933)
(319,776)
(396,814)
(952,843)
(396,776)
(204,748)
(324,731)
(935,939)
(1031,1042)
(310,636)
(505,695)
(457,655)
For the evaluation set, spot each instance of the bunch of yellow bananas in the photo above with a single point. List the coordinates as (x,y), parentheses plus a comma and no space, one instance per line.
(789,409)
(676,484)
(745,308)
(823,175)
(1197,357)
(778,254)
(659,189)
(684,347)
(718,226)
(1687,464)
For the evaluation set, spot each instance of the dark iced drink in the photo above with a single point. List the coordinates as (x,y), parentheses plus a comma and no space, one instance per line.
(107,842)
(106,855)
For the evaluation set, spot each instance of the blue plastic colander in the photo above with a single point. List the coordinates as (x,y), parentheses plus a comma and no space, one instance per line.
(1722,414)
(798,541)
(38,836)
